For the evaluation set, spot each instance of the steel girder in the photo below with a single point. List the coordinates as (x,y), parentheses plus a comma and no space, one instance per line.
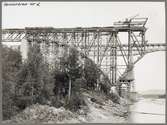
(101,44)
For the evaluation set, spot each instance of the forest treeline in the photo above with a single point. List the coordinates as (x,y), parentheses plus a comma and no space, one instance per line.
(33,81)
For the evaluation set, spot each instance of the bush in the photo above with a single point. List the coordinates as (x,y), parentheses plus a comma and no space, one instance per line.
(78,84)
(61,81)
(104,88)
(115,98)
(43,98)
(23,102)
(75,102)
(57,102)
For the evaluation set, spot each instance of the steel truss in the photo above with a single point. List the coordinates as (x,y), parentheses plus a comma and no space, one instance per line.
(101,44)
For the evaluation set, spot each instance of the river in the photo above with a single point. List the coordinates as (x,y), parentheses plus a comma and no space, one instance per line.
(147,110)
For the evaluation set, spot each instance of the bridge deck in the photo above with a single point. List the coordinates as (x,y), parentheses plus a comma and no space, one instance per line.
(77,29)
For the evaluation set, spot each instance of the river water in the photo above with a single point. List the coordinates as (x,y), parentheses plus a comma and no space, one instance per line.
(147,110)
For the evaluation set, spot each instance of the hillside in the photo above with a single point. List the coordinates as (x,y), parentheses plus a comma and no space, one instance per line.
(99,109)
(68,85)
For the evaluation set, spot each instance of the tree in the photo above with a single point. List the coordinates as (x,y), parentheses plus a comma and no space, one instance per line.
(70,65)
(11,62)
(91,74)
(61,83)
(73,69)
(34,76)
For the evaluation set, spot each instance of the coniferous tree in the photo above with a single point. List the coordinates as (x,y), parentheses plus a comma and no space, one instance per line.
(91,74)
(34,76)
(11,62)
(73,69)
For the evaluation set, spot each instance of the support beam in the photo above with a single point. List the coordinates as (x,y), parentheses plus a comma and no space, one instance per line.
(100,44)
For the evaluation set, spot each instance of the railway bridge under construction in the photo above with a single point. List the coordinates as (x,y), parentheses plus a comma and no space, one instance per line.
(116,57)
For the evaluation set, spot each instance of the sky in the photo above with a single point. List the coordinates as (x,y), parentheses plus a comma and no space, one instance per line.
(149,72)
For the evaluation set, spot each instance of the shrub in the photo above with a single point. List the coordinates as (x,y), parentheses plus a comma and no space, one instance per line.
(115,98)
(104,88)
(57,102)
(75,103)
(61,80)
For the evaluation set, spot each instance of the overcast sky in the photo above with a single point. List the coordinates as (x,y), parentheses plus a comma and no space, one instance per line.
(149,72)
